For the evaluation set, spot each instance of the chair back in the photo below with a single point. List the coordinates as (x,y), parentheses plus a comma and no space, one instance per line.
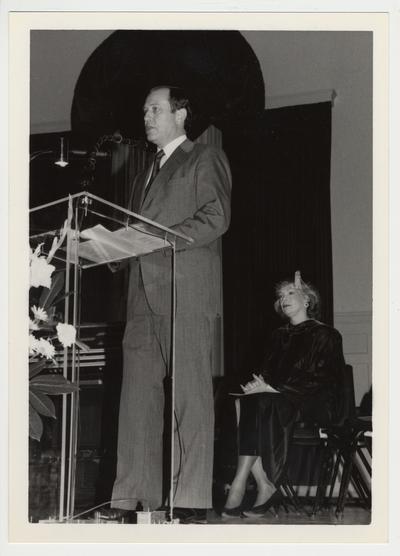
(348,410)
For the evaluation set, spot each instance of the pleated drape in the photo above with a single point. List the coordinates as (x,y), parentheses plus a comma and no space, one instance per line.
(281,222)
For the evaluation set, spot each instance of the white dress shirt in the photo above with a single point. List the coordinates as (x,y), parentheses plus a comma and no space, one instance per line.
(169,149)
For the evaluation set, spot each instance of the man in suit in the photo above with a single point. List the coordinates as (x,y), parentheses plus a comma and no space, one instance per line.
(190,194)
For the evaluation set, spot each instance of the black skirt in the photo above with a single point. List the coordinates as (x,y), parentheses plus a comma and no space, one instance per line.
(265,429)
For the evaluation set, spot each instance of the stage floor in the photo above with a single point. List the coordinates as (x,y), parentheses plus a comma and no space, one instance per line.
(352,515)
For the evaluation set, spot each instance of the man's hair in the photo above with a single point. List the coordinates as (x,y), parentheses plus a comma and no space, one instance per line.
(178,98)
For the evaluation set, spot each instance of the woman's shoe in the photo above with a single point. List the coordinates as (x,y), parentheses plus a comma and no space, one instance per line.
(232,512)
(272,502)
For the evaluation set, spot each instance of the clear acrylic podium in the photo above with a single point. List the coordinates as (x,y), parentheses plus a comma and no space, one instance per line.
(97,232)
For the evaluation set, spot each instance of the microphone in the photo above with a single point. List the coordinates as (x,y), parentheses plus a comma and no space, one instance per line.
(90,167)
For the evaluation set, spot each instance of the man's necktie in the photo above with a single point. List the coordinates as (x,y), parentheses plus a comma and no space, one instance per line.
(156,168)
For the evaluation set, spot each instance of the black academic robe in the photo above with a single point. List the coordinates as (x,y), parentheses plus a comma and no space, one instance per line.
(305,363)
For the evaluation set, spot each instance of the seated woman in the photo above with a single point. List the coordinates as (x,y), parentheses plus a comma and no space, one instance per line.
(302,379)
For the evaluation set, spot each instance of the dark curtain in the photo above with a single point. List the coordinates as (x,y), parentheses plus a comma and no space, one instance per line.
(280,223)
(127,160)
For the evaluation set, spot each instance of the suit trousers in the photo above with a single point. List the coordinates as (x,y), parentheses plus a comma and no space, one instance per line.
(146,351)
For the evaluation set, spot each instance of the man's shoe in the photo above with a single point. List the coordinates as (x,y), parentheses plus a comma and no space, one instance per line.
(188,516)
(116,514)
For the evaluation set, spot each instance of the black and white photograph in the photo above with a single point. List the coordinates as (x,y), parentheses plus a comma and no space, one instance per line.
(202,204)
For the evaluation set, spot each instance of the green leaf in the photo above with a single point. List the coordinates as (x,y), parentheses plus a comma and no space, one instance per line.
(35,367)
(62,297)
(82,345)
(49,295)
(42,403)
(53,384)
(48,325)
(35,424)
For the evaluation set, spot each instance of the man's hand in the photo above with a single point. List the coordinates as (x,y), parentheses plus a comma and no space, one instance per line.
(257,386)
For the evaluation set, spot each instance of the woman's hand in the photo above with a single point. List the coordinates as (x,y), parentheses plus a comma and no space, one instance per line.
(257,386)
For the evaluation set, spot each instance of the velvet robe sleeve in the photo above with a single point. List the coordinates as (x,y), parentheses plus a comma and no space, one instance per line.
(307,365)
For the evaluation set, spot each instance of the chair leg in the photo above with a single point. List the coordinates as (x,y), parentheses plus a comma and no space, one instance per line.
(286,488)
(292,495)
(334,475)
(362,457)
(285,506)
(323,479)
(361,486)
(345,481)
(351,472)
(321,482)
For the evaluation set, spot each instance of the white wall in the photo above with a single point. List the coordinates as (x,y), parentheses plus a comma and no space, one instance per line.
(57,58)
(293,63)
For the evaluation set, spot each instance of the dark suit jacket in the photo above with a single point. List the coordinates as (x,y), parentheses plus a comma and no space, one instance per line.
(190,194)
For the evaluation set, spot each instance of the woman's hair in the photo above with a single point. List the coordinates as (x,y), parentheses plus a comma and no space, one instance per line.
(178,99)
(307,290)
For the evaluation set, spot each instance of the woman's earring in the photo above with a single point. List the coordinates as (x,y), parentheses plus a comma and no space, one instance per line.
(306,304)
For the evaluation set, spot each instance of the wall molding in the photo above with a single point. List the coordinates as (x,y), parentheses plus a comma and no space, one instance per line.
(307,97)
(356,330)
(348,317)
(50,127)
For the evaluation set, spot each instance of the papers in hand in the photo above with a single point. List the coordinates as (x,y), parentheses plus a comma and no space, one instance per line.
(270,390)
(242,393)
(99,245)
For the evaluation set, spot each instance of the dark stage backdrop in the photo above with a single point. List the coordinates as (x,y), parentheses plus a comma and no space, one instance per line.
(281,222)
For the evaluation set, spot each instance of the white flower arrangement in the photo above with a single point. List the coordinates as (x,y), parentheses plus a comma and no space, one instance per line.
(44,330)
(40,270)
(66,334)
(39,314)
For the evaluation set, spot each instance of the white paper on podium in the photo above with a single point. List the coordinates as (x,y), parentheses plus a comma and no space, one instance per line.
(102,245)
